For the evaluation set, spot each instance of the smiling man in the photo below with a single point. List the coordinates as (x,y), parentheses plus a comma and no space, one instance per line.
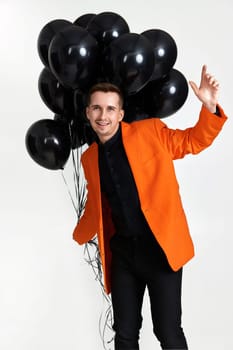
(134,206)
(105,111)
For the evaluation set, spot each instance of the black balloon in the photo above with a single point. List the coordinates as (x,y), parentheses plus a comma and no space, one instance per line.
(73,57)
(46,35)
(53,93)
(80,103)
(107,26)
(129,62)
(81,130)
(134,107)
(163,98)
(83,20)
(165,51)
(61,118)
(48,143)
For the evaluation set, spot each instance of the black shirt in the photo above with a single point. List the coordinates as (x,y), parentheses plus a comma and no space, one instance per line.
(119,187)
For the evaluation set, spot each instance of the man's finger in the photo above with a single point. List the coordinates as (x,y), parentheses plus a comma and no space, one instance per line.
(194,87)
(203,72)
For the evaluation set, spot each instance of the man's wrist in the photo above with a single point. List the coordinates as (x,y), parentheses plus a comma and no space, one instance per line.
(217,112)
(211,108)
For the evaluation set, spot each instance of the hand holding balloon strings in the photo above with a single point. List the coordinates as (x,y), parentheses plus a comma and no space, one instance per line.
(208,90)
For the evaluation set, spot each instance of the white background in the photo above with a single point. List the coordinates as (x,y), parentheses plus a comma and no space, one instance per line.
(48,296)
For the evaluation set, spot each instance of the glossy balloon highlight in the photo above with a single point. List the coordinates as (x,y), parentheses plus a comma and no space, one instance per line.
(106,27)
(84,20)
(53,93)
(165,51)
(73,57)
(129,62)
(164,98)
(46,35)
(48,143)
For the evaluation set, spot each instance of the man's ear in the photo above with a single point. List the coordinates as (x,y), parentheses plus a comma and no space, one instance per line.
(122,113)
(87,113)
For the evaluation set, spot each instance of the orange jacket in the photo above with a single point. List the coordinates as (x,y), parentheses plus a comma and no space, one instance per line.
(151,148)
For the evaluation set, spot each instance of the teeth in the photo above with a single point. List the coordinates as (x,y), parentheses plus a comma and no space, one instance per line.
(99,123)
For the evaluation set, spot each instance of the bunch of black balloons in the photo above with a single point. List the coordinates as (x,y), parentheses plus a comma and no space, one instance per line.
(95,48)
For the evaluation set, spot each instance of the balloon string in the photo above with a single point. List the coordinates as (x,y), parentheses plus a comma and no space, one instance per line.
(79,198)
(107,326)
(106,318)
(79,186)
(75,208)
(75,177)
(79,166)
(75,169)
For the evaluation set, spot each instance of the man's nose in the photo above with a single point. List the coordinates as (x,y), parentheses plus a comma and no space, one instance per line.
(103,113)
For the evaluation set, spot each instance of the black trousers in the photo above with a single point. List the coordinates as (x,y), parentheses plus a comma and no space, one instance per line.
(138,263)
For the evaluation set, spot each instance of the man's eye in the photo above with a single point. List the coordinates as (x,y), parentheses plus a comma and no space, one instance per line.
(95,107)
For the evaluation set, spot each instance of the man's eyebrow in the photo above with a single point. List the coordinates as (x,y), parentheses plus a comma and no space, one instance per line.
(112,106)
(108,106)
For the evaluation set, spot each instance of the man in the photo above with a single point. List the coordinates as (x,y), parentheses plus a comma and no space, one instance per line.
(135,208)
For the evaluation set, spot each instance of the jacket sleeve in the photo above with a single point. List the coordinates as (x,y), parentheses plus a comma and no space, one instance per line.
(87,226)
(191,140)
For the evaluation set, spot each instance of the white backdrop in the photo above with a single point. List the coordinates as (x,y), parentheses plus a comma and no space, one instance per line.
(48,296)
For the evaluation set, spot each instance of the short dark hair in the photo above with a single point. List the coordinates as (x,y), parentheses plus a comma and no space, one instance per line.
(105,87)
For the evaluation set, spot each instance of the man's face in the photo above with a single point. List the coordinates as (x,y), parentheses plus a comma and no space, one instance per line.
(104,113)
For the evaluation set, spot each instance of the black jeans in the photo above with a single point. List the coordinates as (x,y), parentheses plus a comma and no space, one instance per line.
(138,263)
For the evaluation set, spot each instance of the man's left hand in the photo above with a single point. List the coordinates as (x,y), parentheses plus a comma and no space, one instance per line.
(208,90)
